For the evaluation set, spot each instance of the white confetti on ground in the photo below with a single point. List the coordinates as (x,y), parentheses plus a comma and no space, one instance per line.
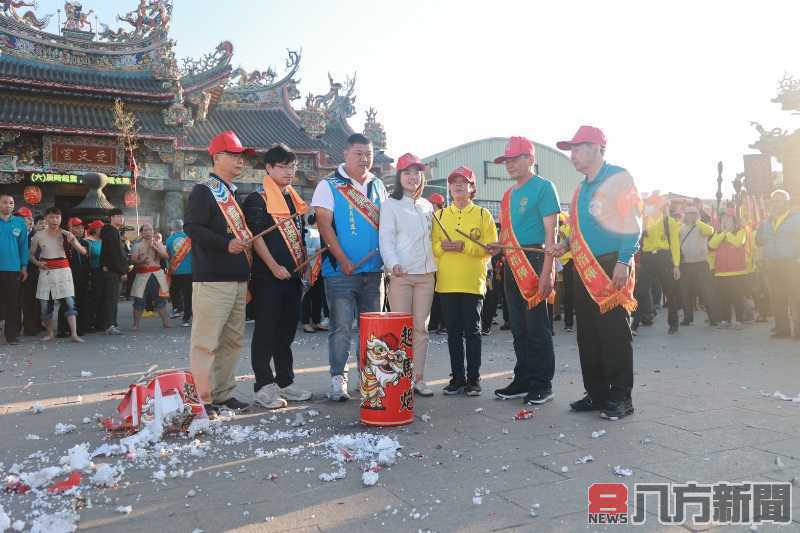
(583,460)
(86,374)
(63,429)
(598,434)
(623,472)
(369,478)
(37,408)
(106,476)
(124,509)
(5,520)
(61,522)
(31,436)
(78,457)
(333,476)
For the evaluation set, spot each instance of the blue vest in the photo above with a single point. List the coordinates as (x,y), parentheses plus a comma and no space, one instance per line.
(356,235)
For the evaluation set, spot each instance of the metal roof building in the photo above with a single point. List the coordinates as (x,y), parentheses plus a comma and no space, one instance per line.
(493,179)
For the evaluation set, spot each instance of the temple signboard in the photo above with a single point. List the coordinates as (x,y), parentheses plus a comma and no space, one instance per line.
(77,153)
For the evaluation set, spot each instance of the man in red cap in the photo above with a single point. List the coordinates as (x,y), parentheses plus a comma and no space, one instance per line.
(221,259)
(79,265)
(528,214)
(606,225)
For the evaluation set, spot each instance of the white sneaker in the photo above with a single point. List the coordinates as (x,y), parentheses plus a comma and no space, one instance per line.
(268,397)
(724,325)
(422,388)
(113,330)
(338,391)
(294,394)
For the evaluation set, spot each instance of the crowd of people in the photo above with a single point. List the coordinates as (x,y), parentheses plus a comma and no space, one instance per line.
(610,259)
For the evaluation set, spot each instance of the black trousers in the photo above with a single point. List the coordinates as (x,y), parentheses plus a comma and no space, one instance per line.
(312,303)
(436,321)
(605,343)
(731,291)
(31,312)
(90,312)
(182,285)
(277,310)
(656,268)
(10,289)
(785,295)
(697,281)
(489,310)
(567,295)
(112,285)
(462,317)
(532,332)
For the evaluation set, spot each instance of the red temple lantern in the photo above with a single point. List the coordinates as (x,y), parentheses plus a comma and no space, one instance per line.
(131,199)
(32,194)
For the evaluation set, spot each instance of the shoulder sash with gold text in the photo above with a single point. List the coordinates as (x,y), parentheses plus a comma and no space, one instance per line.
(594,278)
(517,261)
(180,255)
(291,235)
(361,203)
(231,211)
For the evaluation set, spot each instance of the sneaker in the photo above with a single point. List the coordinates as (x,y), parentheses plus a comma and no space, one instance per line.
(233,404)
(736,325)
(269,398)
(338,391)
(187,324)
(293,393)
(515,389)
(211,410)
(506,326)
(473,387)
(672,330)
(175,313)
(724,324)
(538,397)
(685,323)
(614,410)
(585,404)
(250,321)
(422,388)
(113,330)
(308,328)
(456,386)
(568,329)
(486,332)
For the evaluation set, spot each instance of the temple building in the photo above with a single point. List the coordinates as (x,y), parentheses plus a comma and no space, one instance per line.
(58,94)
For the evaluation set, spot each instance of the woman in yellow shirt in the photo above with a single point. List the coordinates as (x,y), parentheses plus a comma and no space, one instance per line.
(461,278)
(730,270)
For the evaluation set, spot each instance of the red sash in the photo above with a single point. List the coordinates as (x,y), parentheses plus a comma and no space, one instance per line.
(291,235)
(180,255)
(521,268)
(146,269)
(231,211)
(594,278)
(361,203)
(57,263)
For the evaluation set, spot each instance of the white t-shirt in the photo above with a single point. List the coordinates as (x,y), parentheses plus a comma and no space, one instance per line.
(323,195)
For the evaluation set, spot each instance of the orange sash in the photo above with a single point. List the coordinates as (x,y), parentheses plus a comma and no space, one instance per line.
(288,230)
(521,268)
(180,255)
(231,211)
(594,278)
(361,203)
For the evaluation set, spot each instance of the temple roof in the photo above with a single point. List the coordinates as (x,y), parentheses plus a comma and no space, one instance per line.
(65,115)
(18,71)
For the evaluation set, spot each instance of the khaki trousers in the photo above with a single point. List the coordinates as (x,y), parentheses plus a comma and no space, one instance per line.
(217,337)
(413,293)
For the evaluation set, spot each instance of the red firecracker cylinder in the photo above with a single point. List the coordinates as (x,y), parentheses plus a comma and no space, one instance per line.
(386,368)
(32,194)
(131,199)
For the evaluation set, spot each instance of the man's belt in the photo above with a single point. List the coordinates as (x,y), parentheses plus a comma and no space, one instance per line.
(146,269)
(59,262)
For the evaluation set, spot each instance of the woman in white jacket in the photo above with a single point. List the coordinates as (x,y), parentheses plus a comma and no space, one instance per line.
(405,243)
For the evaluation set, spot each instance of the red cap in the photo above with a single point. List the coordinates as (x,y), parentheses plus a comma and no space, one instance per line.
(436,198)
(75,221)
(409,160)
(464,172)
(515,147)
(95,224)
(585,134)
(24,212)
(227,141)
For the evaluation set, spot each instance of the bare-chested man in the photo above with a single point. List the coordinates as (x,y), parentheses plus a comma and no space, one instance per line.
(151,281)
(55,276)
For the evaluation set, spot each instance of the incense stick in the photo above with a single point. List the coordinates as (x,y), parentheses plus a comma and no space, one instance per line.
(310,258)
(446,235)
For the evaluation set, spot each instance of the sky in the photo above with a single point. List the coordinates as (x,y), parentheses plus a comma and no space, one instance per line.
(674,85)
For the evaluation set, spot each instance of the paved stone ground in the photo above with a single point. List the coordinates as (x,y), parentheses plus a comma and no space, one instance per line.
(700,415)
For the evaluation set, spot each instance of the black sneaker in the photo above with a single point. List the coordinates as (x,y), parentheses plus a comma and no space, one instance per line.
(614,410)
(486,332)
(473,387)
(685,323)
(456,386)
(585,404)
(538,397)
(211,410)
(672,330)
(514,390)
(506,326)
(233,404)
(567,329)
